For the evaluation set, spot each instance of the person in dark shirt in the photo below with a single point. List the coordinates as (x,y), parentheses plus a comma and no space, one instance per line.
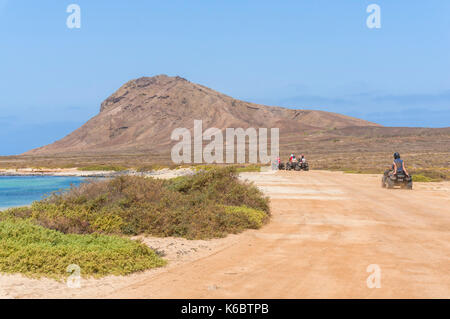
(399,165)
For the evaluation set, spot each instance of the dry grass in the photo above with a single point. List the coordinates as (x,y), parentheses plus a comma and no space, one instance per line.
(434,166)
(363,152)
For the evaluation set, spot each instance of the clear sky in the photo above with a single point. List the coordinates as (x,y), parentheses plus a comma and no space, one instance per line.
(308,54)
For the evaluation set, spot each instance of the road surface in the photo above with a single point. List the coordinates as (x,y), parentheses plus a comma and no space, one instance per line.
(329,232)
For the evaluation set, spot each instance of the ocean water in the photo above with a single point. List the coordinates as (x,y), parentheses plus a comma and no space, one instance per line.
(23,190)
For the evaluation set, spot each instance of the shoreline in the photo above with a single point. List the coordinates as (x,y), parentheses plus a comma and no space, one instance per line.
(61,172)
(74,172)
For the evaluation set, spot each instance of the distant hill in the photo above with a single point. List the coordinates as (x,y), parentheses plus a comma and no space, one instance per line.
(140,116)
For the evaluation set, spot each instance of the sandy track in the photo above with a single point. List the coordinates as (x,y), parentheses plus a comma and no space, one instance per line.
(326,228)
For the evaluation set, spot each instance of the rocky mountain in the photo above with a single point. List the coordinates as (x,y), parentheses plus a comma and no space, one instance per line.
(141,115)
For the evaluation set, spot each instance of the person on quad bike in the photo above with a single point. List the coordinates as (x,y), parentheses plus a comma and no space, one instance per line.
(303,159)
(292,158)
(399,165)
(292,162)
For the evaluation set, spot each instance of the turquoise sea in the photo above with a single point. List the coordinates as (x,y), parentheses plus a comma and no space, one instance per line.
(23,190)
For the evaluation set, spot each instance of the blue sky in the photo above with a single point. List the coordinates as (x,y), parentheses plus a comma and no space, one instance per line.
(308,54)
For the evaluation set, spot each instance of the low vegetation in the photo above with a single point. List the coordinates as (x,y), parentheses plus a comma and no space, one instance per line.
(431,167)
(252,218)
(424,176)
(116,168)
(208,204)
(37,251)
(88,224)
(154,167)
(426,157)
(431,175)
(239,168)
(249,168)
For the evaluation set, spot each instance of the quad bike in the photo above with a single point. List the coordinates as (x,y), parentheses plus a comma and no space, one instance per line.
(281,166)
(303,166)
(400,179)
(291,165)
(297,166)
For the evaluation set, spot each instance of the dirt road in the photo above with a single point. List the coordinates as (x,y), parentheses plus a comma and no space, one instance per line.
(326,229)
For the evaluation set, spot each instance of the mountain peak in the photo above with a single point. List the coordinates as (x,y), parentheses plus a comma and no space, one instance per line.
(140,116)
(161,79)
(157,82)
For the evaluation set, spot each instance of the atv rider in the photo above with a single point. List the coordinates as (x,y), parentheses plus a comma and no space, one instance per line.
(292,158)
(399,165)
(303,159)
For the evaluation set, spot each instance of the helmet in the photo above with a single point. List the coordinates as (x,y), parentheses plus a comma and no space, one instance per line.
(396,155)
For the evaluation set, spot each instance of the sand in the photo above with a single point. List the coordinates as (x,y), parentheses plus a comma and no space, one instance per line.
(327,228)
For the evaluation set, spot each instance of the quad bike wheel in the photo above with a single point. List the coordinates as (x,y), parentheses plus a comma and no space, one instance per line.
(383,182)
(409,185)
(390,183)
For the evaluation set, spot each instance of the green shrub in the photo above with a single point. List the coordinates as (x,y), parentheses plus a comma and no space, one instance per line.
(221,186)
(253,218)
(421,178)
(431,175)
(238,168)
(103,168)
(249,168)
(189,206)
(154,167)
(204,167)
(36,251)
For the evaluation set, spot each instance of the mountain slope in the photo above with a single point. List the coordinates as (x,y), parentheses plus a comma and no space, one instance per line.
(141,115)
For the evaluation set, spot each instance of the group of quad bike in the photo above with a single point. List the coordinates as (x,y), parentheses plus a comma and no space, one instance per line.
(294,164)
(390,178)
